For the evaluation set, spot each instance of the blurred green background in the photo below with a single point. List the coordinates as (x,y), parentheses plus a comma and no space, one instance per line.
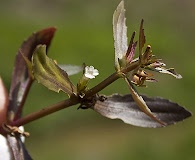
(84,34)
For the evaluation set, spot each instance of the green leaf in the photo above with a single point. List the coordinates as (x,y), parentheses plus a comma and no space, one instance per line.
(141,103)
(49,74)
(119,33)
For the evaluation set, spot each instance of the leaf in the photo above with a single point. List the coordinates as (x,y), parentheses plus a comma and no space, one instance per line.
(21,81)
(126,109)
(49,74)
(18,148)
(142,104)
(119,33)
(71,69)
(29,65)
(170,71)
(131,49)
(142,39)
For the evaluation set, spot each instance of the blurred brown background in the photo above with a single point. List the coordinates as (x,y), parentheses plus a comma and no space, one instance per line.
(84,34)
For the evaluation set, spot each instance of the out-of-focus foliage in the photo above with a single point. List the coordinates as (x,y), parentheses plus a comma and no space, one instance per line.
(85,35)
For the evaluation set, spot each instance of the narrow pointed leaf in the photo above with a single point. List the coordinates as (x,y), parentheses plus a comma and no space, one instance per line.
(18,148)
(131,49)
(142,104)
(49,74)
(170,71)
(126,109)
(119,33)
(132,52)
(142,39)
(71,69)
(21,81)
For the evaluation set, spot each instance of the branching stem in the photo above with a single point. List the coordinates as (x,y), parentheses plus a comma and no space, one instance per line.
(73,100)
(113,77)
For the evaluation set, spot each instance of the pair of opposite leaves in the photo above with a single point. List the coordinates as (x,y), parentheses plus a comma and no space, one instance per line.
(115,106)
(48,73)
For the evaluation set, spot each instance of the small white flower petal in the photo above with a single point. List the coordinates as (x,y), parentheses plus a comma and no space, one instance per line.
(90,76)
(95,72)
(91,72)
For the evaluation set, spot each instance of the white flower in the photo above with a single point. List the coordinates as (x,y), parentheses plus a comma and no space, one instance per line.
(91,72)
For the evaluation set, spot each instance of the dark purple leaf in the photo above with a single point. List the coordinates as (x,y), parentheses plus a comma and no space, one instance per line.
(21,81)
(124,108)
(20,85)
(131,49)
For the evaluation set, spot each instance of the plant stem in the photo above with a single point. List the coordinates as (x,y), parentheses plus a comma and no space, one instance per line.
(44,112)
(111,79)
(73,100)
(102,84)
